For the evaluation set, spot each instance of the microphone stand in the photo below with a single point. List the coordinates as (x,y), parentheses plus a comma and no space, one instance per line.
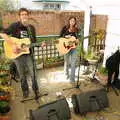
(34,72)
(77,86)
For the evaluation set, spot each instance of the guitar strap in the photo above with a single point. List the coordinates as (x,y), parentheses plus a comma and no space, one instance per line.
(29,32)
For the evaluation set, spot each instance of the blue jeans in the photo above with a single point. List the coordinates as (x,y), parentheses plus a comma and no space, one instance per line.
(70,59)
(24,65)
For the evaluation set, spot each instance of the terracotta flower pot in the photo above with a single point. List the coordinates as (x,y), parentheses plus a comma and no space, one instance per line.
(5,117)
(102,78)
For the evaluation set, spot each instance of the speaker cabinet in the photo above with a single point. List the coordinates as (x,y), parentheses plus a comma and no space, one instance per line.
(56,110)
(90,101)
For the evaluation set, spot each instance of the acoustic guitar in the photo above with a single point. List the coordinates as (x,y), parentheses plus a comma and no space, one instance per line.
(17,48)
(64,45)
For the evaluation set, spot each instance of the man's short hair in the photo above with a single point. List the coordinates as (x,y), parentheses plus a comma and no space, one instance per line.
(22,10)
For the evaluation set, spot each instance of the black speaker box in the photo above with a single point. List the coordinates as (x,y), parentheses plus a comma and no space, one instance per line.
(90,101)
(56,110)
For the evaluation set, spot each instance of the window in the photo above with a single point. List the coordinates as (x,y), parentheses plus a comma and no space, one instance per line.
(46,6)
(58,6)
(51,6)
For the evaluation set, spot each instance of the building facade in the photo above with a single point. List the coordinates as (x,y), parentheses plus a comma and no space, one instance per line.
(43,4)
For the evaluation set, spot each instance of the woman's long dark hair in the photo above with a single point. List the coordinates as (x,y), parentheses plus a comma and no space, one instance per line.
(75,29)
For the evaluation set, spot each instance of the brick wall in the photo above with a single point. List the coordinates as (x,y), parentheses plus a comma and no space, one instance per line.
(45,22)
(99,22)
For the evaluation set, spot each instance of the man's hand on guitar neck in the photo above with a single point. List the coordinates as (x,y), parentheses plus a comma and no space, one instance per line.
(43,44)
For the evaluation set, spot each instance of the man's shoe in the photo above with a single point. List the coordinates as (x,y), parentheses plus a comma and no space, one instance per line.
(37,94)
(67,77)
(25,94)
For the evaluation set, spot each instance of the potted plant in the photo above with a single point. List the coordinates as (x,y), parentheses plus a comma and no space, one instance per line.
(39,63)
(102,75)
(4,107)
(53,62)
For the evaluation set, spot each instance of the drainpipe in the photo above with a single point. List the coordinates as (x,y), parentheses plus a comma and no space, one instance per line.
(87,26)
(1,21)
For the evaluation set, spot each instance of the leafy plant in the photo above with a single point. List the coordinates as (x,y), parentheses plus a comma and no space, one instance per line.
(102,70)
(7,5)
(7,89)
(95,39)
(4,107)
(4,74)
(91,55)
(53,60)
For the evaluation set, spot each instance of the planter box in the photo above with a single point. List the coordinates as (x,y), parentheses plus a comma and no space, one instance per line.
(55,64)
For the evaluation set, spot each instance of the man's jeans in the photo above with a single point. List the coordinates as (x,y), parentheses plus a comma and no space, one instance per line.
(70,59)
(24,64)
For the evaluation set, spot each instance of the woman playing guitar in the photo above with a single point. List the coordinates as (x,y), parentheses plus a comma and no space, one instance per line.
(70,31)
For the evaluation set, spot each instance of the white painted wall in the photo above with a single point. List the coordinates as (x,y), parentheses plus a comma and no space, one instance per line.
(103,7)
(112,42)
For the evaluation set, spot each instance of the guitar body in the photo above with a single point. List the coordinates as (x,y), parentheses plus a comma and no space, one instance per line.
(19,43)
(64,45)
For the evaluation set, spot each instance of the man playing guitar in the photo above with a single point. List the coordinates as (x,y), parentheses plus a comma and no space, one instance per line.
(24,62)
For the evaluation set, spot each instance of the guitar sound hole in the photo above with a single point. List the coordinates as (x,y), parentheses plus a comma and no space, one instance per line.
(23,46)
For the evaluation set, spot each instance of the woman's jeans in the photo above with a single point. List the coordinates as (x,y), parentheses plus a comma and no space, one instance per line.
(24,65)
(70,59)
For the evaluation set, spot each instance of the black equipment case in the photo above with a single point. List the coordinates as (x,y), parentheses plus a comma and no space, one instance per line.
(90,101)
(57,110)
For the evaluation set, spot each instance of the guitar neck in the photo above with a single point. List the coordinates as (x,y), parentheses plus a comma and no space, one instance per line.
(57,41)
